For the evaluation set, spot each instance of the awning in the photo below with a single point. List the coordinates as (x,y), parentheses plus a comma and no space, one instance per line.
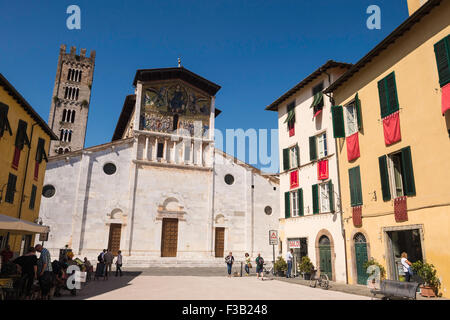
(291,115)
(16,225)
(318,97)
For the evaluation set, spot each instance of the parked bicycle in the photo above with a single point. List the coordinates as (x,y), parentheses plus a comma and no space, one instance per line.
(322,281)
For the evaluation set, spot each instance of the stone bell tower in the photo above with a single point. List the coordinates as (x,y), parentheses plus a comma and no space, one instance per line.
(71,100)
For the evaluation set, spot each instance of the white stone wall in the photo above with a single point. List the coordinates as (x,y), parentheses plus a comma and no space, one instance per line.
(306,126)
(139,195)
(239,208)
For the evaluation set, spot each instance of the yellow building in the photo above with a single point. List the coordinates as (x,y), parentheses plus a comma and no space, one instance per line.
(24,143)
(394,147)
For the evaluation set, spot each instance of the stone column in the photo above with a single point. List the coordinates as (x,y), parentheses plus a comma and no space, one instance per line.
(155,149)
(145,155)
(166,152)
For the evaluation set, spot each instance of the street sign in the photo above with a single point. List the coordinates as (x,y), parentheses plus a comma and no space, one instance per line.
(273,237)
(294,244)
(43,236)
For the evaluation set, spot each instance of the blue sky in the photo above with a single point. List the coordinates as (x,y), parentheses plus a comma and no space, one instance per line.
(255,50)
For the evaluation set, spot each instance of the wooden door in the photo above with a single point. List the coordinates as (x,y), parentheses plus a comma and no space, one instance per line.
(325,261)
(169,238)
(361,258)
(114,238)
(220,242)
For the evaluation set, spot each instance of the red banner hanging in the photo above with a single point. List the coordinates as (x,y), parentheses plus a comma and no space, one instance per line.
(391,128)
(353,147)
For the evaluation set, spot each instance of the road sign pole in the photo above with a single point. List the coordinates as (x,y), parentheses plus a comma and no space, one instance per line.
(273,272)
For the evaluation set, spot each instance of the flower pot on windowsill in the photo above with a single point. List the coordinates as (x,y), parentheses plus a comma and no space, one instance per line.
(426,291)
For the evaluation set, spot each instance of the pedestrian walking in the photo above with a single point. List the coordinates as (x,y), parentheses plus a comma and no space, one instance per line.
(260,267)
(406,264)
(119,263)
(248,264)
(28,268)
(108,257)
(229,260)
(45,271)
(289,258)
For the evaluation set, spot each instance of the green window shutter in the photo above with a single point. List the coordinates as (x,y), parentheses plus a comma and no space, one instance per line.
(407,172)
(337,114)
(382,92)
(11,188)
(315,198)
(392,93)
(358,111)
(442,51)
(32,197)
(4,122)
(312,148)
(287,209)
(300,203)
(331,195)
(354,176)
(21,136)
(298,154)
(286,159)
(40,151)
(382,161)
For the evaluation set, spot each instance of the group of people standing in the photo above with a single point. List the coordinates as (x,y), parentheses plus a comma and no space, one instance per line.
(229,260)
(106,259)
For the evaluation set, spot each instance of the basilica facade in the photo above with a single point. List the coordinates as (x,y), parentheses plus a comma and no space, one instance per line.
(160,191)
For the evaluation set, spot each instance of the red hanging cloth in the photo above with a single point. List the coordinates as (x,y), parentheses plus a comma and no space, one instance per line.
(322,170)
(391,128)
(317,112)
(294,179)
(445,98)
(291,127)
(353,147)
(357,216)
(400,209)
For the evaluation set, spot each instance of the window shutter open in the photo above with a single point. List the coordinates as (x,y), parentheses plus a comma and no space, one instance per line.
(354,176)
(382,161)
(337,114)
(407,172)
(312,148)
(287,209)
(442,52)
(32,197)
(297,149)
(315,198)
(331,195)
(300,202)
(4,122)
(21,136)
(382,92)
(286,159)
(358,111)
(40,152)
(392,93)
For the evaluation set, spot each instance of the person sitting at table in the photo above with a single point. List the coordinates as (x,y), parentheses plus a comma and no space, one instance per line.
(27,264)
(6,255)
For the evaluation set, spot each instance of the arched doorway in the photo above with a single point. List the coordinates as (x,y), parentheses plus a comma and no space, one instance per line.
(361,257)
(325,256)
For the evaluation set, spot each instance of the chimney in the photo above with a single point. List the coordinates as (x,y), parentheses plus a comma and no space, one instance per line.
(414,5)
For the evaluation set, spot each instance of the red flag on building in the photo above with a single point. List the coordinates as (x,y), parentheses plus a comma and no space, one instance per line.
(294,179)
(445,98)
(353,147)
(322,170)
(391,128)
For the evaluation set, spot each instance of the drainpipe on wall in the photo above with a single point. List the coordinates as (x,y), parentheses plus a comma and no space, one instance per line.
(26,171)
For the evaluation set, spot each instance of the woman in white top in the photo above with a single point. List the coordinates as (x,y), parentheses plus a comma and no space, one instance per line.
(406,265)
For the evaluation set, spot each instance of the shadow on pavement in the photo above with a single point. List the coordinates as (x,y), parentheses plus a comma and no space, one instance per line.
(100,286)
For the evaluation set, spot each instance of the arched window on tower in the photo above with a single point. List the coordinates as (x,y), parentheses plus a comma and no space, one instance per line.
(64,115)
(66,92)
(69,74)
(79,76)
(175,122)
(69,112)
(77,92)
(73,116)
(65,135)
(70,135)
(61,135)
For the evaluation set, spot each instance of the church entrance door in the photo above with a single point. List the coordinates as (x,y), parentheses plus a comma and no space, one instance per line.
(114,238)
(169,237)
(219,243)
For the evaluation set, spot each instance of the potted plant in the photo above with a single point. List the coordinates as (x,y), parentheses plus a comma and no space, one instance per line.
(431,283)
(382,270)
(306,267)
(280,266)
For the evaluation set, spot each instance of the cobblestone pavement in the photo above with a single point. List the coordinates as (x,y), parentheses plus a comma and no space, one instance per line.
(199,284)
